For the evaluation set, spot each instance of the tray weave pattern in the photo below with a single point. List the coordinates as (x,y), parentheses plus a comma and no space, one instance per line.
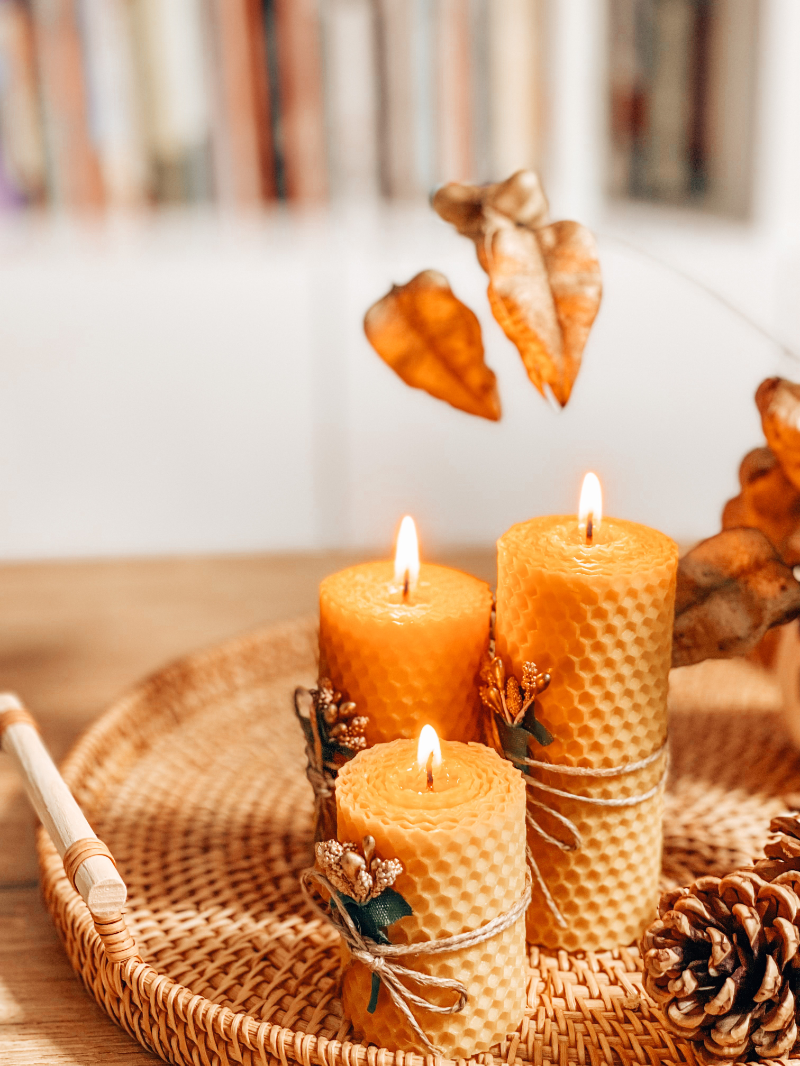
(195,781)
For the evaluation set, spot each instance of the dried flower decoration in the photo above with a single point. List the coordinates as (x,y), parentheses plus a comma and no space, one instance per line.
(433,342)
(514,706)
(363,883)
(360,875)
(767,501)
(545,284)
(343,729)
(778,402)
(334,732)
(732,588)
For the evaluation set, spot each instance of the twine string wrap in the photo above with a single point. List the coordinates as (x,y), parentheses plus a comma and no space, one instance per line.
(81,850)
(577,841)
(13,713)
(381,959)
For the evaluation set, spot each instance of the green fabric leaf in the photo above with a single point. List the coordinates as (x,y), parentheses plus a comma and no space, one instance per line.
(387,908)
(514,740)
(372,917)
(373,998)
(535,727)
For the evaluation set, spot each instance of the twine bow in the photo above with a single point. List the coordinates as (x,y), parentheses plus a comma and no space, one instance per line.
(379,958)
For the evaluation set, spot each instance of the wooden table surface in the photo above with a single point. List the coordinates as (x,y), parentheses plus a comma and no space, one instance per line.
(73,637)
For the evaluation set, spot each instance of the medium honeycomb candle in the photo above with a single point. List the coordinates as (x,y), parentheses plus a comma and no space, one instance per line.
(598,616)
(406,660)
(463,853)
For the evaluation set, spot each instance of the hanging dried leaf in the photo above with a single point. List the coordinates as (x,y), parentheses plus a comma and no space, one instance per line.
(769,502)
(433,342)
(778,402)
(732,588)
(544,280)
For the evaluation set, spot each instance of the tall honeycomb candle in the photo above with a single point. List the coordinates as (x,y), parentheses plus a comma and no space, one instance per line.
(462,847)
(405,642)
(591,601)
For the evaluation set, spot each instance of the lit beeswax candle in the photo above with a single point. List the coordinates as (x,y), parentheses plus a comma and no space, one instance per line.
(591,601)
(405,642)
(462,846)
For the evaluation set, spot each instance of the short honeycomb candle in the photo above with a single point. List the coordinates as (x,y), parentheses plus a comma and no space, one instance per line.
(407,651)
(462,847)
(592,603)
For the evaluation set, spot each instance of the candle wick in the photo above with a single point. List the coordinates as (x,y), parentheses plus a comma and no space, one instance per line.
(589,528)
(406,583)
(429,772)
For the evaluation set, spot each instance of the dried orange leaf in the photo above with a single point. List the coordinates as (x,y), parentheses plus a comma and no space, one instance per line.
(768,501)
(545,284)
(778,402)
(732,588)
(433,341)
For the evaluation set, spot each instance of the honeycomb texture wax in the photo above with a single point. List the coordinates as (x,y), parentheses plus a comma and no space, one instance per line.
(406,663)
(599,618)
(463,851)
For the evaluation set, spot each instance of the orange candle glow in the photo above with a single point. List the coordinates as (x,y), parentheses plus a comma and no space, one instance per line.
(590,600)
(405,642)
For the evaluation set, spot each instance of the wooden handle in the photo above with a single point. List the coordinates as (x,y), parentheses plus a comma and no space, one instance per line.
(96,876)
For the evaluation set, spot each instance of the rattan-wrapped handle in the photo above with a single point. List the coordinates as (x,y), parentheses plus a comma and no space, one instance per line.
(88,863)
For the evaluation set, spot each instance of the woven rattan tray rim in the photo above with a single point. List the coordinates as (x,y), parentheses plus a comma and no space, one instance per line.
(183,1027)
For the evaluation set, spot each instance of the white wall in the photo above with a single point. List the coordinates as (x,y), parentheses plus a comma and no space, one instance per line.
(194,385)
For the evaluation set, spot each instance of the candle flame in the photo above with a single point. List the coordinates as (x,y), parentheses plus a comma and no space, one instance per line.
(590,508)
(429,745)
(406,556)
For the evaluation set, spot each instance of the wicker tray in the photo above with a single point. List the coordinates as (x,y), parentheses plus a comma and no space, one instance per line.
(195,781)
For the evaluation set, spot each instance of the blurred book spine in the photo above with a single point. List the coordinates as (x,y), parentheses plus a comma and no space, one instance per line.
(74,173)
(296,27)
(115,113)
(23,174)
(171,48)
(351,96)
(243,153)
(515,30)
(668,169)
(455,103)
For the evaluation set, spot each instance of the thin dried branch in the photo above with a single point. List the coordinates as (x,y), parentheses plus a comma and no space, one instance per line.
(433,342)
(778,402)
(732,588)
(545,284)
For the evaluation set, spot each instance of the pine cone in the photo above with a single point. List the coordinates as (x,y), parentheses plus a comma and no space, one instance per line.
(782,849)
(722,961)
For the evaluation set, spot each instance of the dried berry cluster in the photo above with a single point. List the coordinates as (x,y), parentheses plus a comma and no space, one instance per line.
(505,696)
(361,876)
(722,960)
(343,727)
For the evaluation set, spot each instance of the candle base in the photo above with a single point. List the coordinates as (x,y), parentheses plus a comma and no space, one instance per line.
(608,889)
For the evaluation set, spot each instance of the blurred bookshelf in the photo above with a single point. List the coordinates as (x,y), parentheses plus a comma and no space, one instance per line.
(130,105)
